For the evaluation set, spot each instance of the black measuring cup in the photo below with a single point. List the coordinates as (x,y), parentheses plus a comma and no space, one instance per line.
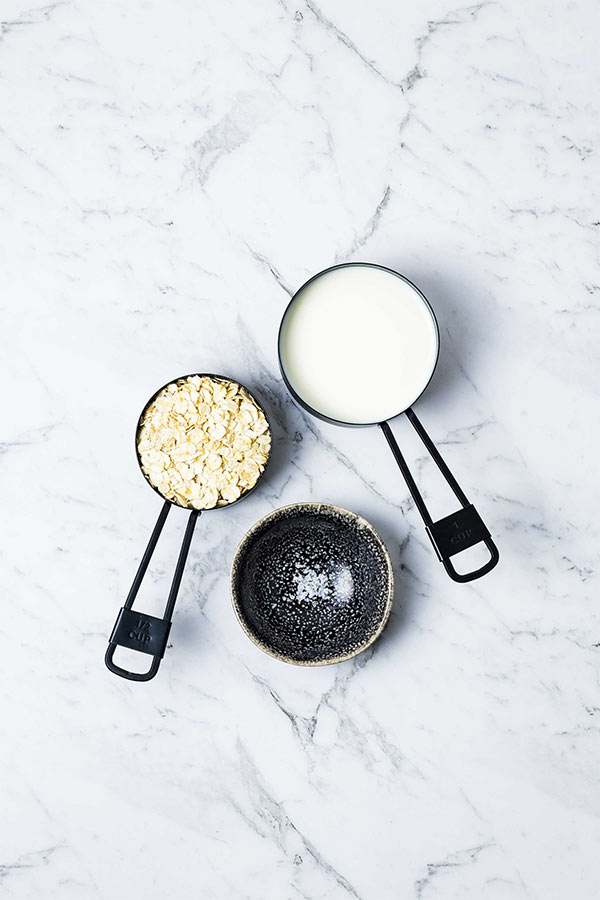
(140,631)
(459,530)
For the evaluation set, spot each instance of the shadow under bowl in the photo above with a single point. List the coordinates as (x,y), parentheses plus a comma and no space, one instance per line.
(312,584)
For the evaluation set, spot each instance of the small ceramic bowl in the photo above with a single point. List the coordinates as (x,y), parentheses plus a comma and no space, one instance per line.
(312,584)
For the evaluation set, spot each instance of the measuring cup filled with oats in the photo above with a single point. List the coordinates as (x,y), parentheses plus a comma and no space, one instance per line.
(202,442)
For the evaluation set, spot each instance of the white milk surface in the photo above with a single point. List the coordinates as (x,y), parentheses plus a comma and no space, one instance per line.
(358,344)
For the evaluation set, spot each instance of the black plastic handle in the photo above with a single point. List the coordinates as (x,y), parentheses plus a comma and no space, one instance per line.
(139,631)
(453,533)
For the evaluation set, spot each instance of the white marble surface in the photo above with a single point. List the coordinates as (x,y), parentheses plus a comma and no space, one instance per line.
(169,172)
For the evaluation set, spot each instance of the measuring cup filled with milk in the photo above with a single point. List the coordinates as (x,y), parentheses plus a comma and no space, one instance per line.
(358,345)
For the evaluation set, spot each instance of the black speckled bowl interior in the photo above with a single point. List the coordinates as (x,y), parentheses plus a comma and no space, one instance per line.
(312,584)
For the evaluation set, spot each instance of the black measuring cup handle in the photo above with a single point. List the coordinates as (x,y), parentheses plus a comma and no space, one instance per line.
(459,530)
(139,631)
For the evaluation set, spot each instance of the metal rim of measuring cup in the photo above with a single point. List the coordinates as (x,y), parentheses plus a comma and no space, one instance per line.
(454,533)
(153,398)
(289,386)
(140,631)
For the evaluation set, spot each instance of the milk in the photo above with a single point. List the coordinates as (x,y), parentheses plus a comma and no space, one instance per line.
(358,344)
